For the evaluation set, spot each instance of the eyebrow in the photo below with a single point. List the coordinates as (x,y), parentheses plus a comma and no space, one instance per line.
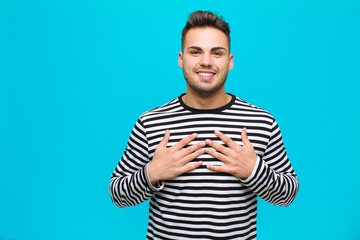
(212,49)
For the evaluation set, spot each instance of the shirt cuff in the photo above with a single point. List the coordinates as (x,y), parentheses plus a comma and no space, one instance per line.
(158,186)
(253,173)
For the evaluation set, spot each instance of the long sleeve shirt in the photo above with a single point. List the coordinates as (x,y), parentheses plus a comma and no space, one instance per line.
(203,204)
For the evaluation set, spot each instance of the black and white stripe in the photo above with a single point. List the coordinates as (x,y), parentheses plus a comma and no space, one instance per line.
(203,204)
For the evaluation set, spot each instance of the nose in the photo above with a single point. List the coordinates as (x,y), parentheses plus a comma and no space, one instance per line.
(206,60)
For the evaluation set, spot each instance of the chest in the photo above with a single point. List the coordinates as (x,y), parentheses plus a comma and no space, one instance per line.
(204,126)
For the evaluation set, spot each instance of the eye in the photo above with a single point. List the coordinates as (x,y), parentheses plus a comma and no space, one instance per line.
(194,52)
(218,53)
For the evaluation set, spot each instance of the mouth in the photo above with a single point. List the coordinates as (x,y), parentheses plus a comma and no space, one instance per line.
(205,74)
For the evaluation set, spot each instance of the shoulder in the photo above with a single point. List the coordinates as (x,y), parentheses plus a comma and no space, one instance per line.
(241,105)
(168,108)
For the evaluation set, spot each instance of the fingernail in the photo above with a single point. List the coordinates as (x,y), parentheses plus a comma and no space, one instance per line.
(194,134)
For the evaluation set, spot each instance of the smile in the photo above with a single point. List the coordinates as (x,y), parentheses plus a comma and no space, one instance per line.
(205,74)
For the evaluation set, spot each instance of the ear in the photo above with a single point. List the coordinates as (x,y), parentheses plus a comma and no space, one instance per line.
(180,62)
(231,61)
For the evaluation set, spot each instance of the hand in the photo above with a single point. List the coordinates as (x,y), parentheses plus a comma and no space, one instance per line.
(238,160)
(169,163)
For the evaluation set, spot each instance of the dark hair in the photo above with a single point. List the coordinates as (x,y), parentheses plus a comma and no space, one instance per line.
(205,19)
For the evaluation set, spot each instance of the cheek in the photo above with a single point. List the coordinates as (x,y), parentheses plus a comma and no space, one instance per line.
(223,66)
(189,65)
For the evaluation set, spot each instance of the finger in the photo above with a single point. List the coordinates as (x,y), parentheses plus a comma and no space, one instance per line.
(190,167)
(165,139)
(192,156)
(218,146)
(183,142)
(193,148)
(227,140)
(217,168)
(217,155)
(244,138)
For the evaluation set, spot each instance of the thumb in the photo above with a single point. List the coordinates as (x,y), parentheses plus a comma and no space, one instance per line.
(165,139)
(244,137)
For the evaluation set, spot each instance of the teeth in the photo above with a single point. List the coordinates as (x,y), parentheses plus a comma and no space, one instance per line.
(205,74)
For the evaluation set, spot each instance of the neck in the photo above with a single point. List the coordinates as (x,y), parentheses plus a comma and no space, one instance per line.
(197,101)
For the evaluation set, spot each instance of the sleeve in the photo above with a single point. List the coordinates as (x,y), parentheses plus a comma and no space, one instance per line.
(273,178)
(130,184)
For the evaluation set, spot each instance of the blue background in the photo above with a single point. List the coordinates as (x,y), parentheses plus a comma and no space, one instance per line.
(75,75)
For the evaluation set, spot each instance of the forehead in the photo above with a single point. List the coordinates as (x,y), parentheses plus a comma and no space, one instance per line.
(206,37)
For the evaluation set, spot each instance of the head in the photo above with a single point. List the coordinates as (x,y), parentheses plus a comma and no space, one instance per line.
(205,56)
(205,19)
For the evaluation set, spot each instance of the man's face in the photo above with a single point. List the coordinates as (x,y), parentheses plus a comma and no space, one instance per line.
(205,60)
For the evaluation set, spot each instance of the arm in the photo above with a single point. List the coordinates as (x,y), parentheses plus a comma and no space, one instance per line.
(137,177)
(271,176)
(129,184)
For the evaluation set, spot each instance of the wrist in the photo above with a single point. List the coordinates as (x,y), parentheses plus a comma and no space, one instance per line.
(254,170)
(153,177)
(156,186)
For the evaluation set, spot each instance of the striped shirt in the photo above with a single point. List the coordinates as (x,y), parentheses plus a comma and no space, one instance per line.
(203,204)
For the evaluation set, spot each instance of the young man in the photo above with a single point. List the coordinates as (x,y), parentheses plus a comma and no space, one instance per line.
(203,158)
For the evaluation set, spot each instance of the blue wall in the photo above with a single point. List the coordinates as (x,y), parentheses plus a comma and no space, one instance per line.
(75,75)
